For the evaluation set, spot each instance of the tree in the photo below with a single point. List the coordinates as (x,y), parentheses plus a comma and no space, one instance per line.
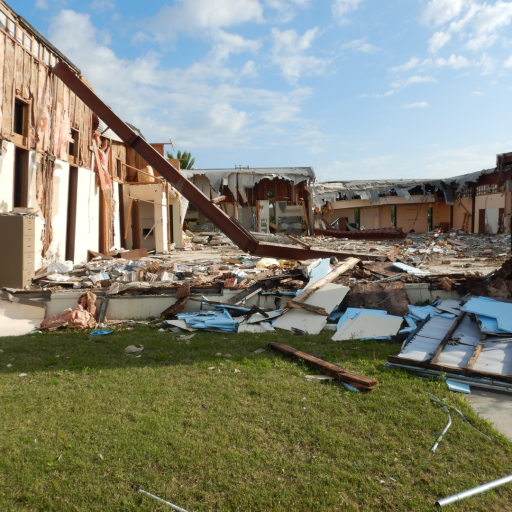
(186,160)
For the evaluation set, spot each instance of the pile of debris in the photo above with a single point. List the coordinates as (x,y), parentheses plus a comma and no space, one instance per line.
(204,238)
(468,339)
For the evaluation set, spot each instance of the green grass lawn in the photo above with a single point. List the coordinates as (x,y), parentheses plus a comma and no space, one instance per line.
(84,427)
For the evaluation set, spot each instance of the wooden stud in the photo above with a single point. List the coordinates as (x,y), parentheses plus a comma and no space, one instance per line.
(447,337)
(128,219)
(474,357)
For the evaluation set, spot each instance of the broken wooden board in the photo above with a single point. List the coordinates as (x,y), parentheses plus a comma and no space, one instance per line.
(390,296)
(359,381)
(381,268)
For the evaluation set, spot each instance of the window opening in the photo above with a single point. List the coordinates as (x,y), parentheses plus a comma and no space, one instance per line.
(19,114)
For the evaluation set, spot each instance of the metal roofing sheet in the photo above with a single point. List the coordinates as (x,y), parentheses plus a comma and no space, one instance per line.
(456,355)
(495,358)
(419,348)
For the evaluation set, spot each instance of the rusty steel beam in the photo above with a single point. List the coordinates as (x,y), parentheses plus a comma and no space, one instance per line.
(229,226)
(364,234)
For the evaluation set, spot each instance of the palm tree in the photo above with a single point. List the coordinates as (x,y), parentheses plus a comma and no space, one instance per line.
(186,160)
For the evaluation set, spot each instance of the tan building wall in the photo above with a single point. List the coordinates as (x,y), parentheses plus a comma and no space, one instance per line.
(441,212)
(412,217)
(369,218)
(385,216)
(492,205)
(459,211)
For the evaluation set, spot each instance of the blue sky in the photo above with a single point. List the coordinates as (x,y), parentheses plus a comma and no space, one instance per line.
(355,88)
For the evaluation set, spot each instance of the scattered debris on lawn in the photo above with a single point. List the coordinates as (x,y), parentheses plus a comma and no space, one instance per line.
(132,349)
(175,507)
(468,337)
(436,444)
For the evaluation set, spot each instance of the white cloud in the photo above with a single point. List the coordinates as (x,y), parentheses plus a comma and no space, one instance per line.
(508,62)
(439,12)
(102,5)
(417,79)
(422,104)
(360,45)
(195,16)
(289,53)
(286,9)
(46,4)
(454,61)
(437,41)
(202,105)
(477,93)
(414,62)
(342,7)
(478,22)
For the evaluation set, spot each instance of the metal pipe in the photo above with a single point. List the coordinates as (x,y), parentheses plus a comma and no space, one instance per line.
(445,409)
(175,507)
(476,490)
(435,399)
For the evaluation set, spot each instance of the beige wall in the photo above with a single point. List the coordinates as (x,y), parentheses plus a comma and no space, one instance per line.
(385,216)
(490,201)
(369,218)
(441,212)
(459,211)
(412,217)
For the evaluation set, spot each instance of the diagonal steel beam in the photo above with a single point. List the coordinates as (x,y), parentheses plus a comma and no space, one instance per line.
(239,236)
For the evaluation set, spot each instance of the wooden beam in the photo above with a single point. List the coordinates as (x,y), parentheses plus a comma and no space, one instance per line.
(474,357)
(297,241)
(359,381)
(306,307)
(447,338)
(128,219)
(102,178)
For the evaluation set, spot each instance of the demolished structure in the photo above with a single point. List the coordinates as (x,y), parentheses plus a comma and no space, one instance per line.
(479,202)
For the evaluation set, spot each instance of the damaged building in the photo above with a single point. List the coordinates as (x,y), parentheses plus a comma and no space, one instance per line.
(478,202)
(68,184)
(264,200)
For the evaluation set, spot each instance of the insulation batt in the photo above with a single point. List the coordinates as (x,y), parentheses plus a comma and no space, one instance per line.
(103,160)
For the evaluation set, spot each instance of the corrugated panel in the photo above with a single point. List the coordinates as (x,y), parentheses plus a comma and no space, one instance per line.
(495,358)
(456,355)
(468,332)
(106,132)
(420,348)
